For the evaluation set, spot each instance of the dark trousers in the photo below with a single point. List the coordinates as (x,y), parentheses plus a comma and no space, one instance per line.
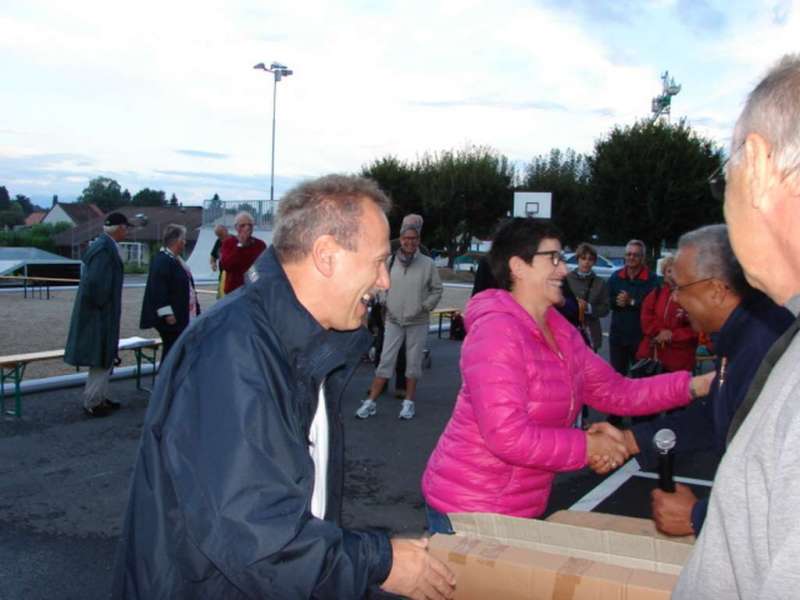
(168,339)
(622,356)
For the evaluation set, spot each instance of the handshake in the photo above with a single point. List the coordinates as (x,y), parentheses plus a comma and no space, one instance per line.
(608,447)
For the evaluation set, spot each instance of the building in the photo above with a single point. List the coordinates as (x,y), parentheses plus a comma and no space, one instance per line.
(142,240)
(75,213)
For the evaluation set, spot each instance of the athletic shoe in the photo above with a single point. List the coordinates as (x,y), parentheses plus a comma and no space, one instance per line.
(407,412)
(367,409)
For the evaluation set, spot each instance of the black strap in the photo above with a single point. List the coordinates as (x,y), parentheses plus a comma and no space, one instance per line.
(760,378)
(589,287)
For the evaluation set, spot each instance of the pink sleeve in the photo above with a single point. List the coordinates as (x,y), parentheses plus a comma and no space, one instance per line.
(493,370)
(608,391)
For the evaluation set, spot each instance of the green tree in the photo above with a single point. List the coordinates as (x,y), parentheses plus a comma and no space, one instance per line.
(173,201)
(25,204)
(148,197)
(12,216)
(649,181)
(398,179)
(566,175)
(464,193)
(104,192)
(5,198)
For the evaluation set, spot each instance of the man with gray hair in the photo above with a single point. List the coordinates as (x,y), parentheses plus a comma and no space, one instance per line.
(751,537)
(415,292)
(94,327)
(237,489)
(239,252)
(743,323)
(170,299)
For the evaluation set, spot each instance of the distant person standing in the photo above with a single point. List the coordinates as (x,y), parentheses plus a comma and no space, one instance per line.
(222,234)
(591,294)
(627,289)
(170,299)
(415,291)
(239,252)
(94,328)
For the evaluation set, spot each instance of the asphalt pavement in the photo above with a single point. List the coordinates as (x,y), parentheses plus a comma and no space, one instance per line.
(64,478)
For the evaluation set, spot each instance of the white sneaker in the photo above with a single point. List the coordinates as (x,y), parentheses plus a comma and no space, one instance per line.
(407,412)
(367,409)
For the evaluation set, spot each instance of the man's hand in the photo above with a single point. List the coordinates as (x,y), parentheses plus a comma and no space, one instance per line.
(664,337)
(605,447)
(170,319)
(623,299)
(673,512)
(213,263)
(416,574)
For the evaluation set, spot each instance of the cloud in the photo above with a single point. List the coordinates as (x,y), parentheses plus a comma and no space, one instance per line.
(781,12)
(203,154)
(700,16)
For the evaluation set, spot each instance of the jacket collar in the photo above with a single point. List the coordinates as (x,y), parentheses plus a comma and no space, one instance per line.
(643,275)
(317,350)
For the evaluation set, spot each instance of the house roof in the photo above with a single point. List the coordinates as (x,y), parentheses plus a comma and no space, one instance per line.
(158,217)
(34,218)
(80,212)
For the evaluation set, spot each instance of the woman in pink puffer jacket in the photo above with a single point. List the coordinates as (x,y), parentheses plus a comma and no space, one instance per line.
(526,373)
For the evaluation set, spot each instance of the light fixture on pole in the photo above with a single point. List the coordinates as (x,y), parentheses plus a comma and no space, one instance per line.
(278,71)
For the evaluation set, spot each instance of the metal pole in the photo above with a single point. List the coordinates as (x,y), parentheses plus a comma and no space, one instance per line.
(272,171)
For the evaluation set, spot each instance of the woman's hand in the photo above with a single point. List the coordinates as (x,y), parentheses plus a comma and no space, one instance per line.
(605,447)
(701,384)
(664,337)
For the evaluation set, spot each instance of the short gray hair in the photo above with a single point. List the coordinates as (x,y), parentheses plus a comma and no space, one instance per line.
(173,233)
(243,214)
(715,257)
(330,205)
(773,111)
(639,243)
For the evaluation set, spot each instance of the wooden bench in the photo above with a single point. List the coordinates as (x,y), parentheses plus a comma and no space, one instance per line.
(445,313)
(12,367)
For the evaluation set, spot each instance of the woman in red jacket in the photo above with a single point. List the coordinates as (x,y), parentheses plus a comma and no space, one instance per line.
(668,335)
(526,374)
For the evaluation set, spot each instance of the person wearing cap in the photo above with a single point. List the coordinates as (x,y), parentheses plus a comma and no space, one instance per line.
(239,252)
(94,327)
(415,291)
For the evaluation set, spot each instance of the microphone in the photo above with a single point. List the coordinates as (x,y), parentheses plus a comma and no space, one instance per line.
(664,440)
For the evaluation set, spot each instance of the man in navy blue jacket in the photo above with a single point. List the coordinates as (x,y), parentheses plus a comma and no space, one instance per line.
(237,488)
(743,324)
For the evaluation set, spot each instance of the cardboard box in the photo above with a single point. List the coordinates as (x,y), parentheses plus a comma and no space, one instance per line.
(571,556)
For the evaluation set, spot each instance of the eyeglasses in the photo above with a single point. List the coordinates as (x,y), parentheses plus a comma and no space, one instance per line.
(679,288)
(633,254)
(556,256)
(716,181)
(240,225)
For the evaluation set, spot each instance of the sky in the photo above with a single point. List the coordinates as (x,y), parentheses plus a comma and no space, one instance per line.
(163,94)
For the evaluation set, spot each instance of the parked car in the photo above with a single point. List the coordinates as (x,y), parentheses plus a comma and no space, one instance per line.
(603,267)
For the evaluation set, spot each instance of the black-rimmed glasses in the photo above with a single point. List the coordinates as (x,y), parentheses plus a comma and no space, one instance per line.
(556,256)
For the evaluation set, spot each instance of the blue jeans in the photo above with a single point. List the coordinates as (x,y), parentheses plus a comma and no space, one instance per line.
(438,522)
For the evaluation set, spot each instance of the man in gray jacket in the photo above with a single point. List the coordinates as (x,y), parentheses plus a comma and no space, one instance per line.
(750,541)
(415,292)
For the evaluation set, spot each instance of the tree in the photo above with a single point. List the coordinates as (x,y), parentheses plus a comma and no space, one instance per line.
(649,181)
(12,216)
(25,204)
(398,180)
(104,192)
(173,201)
(5,199)
(148,197)
(566,176)
(464,193)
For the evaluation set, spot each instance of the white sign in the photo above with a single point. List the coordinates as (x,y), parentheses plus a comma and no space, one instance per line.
(538,205)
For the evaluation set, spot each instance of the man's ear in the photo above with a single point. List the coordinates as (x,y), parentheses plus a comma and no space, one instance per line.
(325,254)
(759,171)
(719,291)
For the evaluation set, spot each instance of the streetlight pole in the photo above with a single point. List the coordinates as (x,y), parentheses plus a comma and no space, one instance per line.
(278,71)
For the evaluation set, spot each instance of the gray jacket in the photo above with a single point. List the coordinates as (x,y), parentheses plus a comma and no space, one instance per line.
(415,291)
(594,290)
(751,537)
